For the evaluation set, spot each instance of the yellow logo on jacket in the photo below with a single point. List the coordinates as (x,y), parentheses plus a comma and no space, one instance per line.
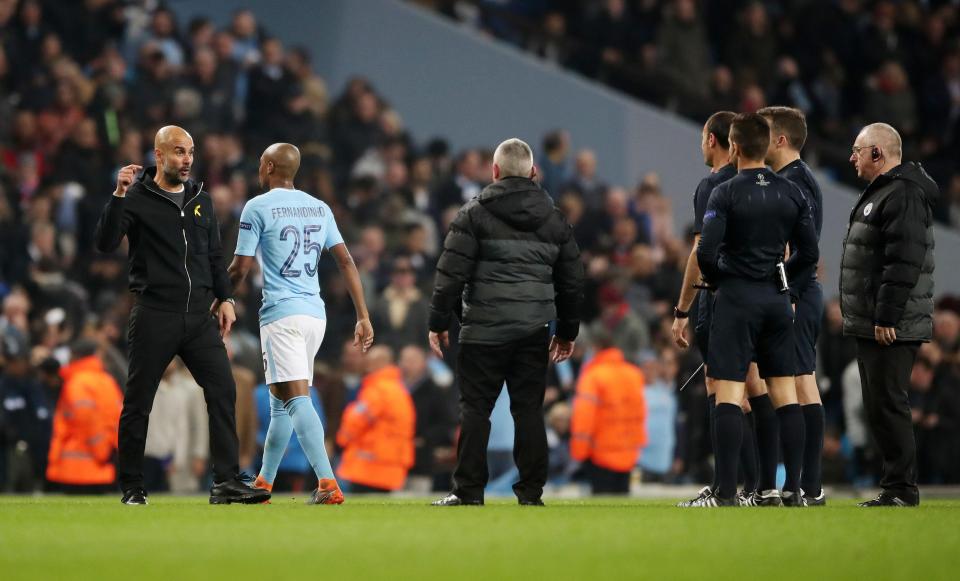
(196,210)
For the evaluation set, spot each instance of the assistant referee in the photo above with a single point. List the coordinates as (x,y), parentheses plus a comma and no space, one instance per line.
(178,276)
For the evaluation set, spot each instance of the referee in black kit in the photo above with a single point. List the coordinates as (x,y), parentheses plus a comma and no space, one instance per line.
(886,295)
(747,225)
(179,278)
(511,265)
(788,134)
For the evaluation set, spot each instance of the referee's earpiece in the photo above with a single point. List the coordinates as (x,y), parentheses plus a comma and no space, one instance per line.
(875,153)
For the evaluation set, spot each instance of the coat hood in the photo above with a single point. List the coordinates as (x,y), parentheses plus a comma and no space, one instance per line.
(914,173)
(519,202)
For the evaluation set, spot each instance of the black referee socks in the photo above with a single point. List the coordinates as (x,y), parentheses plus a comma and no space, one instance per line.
(813,420)
(712,409)
(748,455)
(768,440)
(729,439)
(792,437)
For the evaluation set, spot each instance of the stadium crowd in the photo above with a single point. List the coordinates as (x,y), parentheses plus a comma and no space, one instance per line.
(845,63)
(83,88)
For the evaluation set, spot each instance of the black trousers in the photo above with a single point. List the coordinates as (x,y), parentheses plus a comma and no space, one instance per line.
(481,372)
(885,378)
(606,481)
(155,338)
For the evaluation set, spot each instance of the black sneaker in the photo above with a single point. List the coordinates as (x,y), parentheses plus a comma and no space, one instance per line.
(704,492)
(134,496)
(454,500)
(745,498)
(712,501)
(792,498)
(819,500)
(530,502)
(767,498)
(884,499)
(236,490)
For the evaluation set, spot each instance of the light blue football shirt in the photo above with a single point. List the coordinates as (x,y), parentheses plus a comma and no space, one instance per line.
(290,228)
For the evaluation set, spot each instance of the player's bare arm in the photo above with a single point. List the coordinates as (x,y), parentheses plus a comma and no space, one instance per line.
(363,332)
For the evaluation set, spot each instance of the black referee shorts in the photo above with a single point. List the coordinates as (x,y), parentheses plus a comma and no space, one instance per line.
(751,321)
(701,321)
(809,318)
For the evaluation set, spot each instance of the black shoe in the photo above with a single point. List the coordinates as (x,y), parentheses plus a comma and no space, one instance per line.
(530,502)
(454,500)
(767,498)
(134,496)
(819,500)
(704,492)
(884,499)
(712,501)
(236,490)
(792,498)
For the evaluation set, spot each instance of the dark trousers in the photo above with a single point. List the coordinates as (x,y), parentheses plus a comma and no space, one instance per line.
(606,481)
(481,372)
(155,338)
(885,377)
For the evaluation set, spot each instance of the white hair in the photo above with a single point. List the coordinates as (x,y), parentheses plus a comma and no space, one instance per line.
(886,137)
(514,158)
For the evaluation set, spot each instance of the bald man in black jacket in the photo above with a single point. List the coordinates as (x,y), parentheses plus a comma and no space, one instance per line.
(886,295)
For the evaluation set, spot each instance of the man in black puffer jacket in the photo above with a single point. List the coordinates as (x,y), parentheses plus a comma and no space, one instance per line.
(510,266)
(886,294)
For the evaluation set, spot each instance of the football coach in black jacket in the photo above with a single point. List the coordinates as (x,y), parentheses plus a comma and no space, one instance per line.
(178,276)
(511,265)
(886,295)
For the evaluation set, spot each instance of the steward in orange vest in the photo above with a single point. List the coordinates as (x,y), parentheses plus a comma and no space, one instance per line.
(377,430)
(608,425)
(85,425)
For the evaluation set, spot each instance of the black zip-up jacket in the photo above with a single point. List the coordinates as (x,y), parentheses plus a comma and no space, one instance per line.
(176,258)
(511,262)
(886,272)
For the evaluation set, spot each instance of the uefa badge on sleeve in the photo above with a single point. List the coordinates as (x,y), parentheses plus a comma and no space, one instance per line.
(867,209)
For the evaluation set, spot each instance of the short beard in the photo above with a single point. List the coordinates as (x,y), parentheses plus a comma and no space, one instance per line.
(173,177)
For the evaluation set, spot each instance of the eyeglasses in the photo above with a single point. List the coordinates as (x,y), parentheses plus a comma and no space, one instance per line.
(856,149)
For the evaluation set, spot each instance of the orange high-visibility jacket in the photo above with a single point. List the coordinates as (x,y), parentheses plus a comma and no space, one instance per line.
(85,425)
(376,432)
(609,413)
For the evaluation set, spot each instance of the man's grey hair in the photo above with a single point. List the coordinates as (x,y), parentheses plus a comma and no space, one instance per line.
(886,137)
(514,158)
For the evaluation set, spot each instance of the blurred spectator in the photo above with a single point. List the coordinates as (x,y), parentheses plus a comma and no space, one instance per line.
(660,395)
(26,411)
(85,426)
(378,430)
(436,421)
(554,163)
(400,314)
(585,180)
(608,428)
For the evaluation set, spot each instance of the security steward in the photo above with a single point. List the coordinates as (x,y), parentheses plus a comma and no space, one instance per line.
(886,296)
(179,279)
(511,264)
(747,225)
(608,427)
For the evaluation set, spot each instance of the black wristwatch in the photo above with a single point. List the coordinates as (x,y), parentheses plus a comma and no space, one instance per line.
(678,314)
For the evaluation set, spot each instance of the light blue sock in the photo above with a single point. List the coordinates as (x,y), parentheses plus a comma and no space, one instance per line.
(306,423)
(278,436)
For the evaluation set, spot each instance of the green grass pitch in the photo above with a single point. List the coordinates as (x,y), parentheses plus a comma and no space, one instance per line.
(366,538)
